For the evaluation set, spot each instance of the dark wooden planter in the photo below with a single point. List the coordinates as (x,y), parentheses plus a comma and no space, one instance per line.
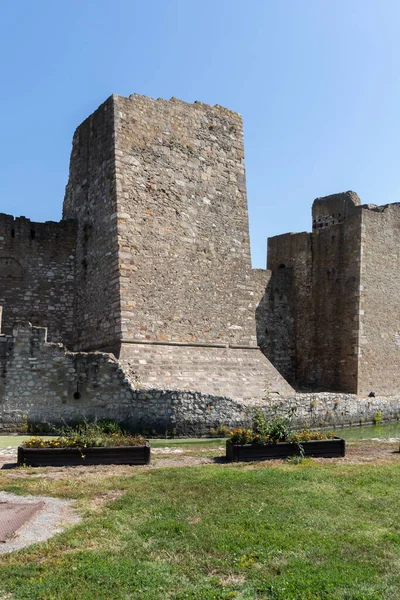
(322,448)
(64,457)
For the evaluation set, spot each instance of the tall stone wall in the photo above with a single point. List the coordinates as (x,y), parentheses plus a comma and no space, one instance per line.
(379,347)
(90,198)
(184,252)
(37,266)
(308,320)
(335,299)
(284,319)
(163,251)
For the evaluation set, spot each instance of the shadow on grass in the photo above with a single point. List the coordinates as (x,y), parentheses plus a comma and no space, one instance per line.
(13,465)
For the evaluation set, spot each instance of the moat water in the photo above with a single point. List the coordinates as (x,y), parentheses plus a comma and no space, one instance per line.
(368,432)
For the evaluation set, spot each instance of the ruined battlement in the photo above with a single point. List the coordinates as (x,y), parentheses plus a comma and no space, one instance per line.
(37,267)
(337,208)
(334,209)
(196,105)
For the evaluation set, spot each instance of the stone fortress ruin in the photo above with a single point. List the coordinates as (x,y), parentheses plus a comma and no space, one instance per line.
(140,304)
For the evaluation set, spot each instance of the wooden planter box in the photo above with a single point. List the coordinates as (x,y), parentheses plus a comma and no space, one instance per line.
(321,448)
(60,457)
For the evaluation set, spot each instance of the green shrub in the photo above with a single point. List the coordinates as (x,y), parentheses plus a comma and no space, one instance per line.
(220,431)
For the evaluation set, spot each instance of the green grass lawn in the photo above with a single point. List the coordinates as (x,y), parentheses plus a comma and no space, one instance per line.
(186,442)
(286,532)
(12,440)
(15,440)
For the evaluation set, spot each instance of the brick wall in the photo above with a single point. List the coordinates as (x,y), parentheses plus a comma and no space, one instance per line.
(238,373)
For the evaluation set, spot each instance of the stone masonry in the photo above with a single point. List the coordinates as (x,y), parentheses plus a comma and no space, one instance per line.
(163,269)
(150,266)
(44,384)
(140,304)
(329,318)
(37,275)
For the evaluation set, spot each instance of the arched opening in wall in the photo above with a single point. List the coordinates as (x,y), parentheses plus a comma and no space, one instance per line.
(10,268)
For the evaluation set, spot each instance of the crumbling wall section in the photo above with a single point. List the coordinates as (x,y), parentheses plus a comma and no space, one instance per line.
(43,382)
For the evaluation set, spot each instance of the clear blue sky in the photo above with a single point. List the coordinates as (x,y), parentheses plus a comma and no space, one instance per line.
(317,83)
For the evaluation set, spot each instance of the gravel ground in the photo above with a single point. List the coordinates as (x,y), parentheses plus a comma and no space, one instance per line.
(51,519)
(9,451)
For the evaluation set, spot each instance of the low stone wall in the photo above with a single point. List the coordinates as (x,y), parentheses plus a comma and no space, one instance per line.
(334,409)
(44,383)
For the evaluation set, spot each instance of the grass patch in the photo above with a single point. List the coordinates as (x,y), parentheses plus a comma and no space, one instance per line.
(12,440)
(187,442)
(287,532)
(16,440)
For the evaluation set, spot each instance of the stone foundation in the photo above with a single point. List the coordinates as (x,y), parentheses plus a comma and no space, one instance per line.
(239,373)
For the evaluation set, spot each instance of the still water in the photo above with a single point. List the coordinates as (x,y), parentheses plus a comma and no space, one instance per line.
(367,432)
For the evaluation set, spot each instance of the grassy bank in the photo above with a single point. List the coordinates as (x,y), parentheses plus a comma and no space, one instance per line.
(279,532)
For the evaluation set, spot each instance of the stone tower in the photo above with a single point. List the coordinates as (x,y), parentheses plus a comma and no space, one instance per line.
(163,270)
(329,319)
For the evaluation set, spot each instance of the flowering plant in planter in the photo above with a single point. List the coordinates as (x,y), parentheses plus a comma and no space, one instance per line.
(249,436)
(274,438)
(275,429)
(88,435)
(87,443)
